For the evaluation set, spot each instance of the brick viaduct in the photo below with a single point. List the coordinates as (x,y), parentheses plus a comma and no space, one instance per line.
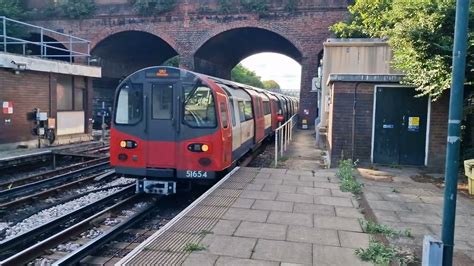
(207,41)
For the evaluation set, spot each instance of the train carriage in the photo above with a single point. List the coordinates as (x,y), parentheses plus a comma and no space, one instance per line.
(173,126)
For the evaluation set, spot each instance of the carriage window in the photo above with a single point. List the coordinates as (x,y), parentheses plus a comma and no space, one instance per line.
(224,116)
(266,107)
(129,104)
(248,111)
(232,111)
(199,108)
(162,103)
(242,111)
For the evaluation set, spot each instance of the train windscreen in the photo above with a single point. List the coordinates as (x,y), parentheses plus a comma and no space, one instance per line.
(129,105)
(199,108)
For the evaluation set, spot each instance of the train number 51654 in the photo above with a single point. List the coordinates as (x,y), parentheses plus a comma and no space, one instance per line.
(196,174)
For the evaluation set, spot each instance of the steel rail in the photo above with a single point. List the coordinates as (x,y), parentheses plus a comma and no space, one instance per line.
(77,255)
(35,186)
(38,249)
(23,180)
(53,190)
(30,236)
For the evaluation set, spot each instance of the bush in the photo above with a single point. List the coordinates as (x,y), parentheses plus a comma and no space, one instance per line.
(74,9)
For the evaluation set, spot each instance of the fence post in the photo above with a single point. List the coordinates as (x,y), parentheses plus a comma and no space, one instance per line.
(276,148)
(41,43)
(70,49)
(281,140)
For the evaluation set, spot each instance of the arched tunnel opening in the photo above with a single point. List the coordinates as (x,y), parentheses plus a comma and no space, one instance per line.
(49,52)
(219,55)
(120,55)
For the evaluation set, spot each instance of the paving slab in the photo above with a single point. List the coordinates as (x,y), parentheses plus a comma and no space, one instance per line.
(313,235)
(337,223)
(354,239)
(273,205)
(283,251)
(231,261)
(240,247)
(262,230)
(335,256)
(289,218)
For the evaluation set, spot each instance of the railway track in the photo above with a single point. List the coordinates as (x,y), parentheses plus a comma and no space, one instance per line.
(12,194)
(11,246)
(4,185)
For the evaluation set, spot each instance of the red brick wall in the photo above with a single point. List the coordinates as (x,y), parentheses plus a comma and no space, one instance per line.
(27,90)
(342,119)
(340,125)
(438,132)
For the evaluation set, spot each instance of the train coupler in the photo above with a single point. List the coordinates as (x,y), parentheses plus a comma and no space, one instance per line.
(156,187)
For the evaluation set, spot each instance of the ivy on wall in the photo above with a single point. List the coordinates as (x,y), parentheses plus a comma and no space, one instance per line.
(153,7)
(74,9)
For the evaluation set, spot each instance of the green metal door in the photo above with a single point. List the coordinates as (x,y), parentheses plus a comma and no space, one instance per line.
(400,126)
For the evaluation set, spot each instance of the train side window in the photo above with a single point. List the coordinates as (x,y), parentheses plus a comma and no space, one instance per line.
(162,103)
(266,107)
(129,104)
(225,123)
(248,111)
(242,111)
(232,112)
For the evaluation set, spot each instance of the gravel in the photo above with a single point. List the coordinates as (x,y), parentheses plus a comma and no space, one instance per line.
(54,212)
(117,182)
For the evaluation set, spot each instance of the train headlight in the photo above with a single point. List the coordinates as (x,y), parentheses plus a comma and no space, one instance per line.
(128,144)
(123,144)
(198,147)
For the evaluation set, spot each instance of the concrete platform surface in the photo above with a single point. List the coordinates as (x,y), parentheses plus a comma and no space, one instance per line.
(399,201)
(262,217)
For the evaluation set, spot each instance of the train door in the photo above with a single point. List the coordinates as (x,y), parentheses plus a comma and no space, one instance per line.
(226,128)
(160,124)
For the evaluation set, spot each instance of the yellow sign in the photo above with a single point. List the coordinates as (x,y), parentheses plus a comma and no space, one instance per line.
(414,121)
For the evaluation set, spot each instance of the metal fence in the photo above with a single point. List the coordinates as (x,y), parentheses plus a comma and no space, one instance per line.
(283,135)
(64,46)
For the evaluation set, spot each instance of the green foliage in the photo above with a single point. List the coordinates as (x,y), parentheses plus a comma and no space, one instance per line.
(348,182)
(190,247)
(270,84)
(11,9)
(291,6)
(173,62)
(420,34)
(74,9)
(226,6)
(246,76)
(256,6)
(153,7)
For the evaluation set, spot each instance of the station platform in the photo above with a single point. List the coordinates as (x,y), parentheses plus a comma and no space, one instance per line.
(263,216)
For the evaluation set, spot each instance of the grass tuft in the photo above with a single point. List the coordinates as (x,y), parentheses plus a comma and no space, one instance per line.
(374,228)
(379,254)
(190,247)
(348,182)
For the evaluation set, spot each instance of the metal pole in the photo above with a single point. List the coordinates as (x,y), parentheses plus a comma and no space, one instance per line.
(103,122)
(4,32)
(41,40)
(281,141)
(276,148)
(454,129)
(70,49)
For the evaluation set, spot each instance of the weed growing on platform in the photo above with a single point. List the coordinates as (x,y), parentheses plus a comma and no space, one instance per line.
(190,247)
(379,254)
(374,228)
(348,182)
(205,232)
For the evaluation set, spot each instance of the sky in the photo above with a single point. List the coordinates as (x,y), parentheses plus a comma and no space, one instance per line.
(281,68)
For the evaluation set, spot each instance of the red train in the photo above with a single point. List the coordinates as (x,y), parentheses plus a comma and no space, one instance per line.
(172,126)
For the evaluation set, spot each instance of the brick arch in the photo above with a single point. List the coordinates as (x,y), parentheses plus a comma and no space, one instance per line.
(250,24)
(107,32)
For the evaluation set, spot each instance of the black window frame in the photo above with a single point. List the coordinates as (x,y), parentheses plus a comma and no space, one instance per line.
(152,102)
(183,107)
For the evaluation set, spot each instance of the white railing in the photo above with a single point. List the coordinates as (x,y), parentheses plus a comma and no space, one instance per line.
(283,135)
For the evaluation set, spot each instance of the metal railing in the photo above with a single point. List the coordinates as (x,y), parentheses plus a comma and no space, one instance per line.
(283,135)
(65,46)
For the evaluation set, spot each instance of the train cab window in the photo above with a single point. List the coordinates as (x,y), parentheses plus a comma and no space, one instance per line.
(225,123)
(199,108)
(129,104)
(162,103)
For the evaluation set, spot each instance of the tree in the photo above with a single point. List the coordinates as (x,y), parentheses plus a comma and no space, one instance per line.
(420,34)
(173,62)
(11,9)
(270,84)
(244,75)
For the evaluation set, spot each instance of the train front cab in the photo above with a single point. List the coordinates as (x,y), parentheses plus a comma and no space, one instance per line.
(170,127)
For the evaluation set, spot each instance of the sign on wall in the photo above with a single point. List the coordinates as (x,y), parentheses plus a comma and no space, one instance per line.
(8,108)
